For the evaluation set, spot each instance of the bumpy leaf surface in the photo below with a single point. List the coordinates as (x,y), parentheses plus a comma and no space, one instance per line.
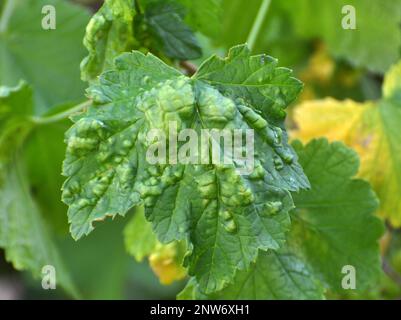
(275,275)
(332,227)
(117,27)
(225,217)
(372,129)
(109,33)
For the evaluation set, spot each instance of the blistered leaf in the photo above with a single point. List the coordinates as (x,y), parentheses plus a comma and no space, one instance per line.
(225,217)
(274,276)
(333,227)
(108,34)
(256,80)
(372,129)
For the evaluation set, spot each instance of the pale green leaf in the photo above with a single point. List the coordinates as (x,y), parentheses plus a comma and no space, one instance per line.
(139,238)
(24,235)
(374,43)
(47,59)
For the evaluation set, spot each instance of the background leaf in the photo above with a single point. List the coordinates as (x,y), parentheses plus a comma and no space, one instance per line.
(371,129)
(366,45)
(332,226)
(46,59)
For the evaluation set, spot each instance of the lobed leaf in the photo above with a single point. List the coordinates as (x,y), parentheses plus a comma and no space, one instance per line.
(332,226)
(225,217)
(166,24)
(334,223)
(371,128)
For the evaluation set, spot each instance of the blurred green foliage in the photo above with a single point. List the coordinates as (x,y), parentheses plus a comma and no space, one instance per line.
(304,34)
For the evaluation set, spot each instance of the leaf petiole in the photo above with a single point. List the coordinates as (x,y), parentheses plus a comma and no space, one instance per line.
(62,115)
(8,10)
(253,34)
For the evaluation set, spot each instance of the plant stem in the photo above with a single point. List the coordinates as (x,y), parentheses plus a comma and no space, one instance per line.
(391,273)
(189,67)
(62,115)
(8,10)
(264,7)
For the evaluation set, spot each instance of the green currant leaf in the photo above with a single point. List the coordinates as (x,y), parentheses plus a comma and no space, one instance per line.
(332,227)
(333,224)
(255,80)
(225,217)
(204,16)
(164,21)
(276,275)
(108,34)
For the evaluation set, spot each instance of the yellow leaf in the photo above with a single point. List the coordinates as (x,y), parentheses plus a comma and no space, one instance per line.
(166,262)
(164,259)
(320,66)
(392,81)
(372,129)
